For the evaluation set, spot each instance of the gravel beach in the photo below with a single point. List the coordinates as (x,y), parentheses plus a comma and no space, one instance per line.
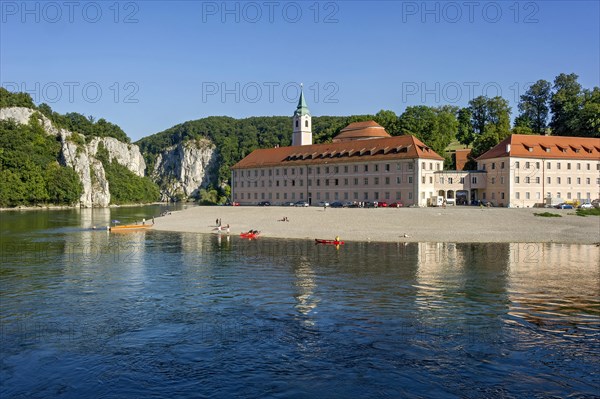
(451,224)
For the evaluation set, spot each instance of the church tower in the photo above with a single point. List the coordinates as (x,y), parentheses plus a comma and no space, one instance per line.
(302,123)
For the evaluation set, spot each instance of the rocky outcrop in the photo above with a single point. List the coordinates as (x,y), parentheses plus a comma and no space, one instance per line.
(128,155)
(181,170)
(81,157)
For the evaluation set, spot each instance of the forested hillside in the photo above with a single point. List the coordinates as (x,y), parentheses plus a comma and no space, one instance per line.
(33,165)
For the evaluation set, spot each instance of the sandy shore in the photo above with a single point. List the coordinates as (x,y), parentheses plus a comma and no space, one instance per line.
(452,224)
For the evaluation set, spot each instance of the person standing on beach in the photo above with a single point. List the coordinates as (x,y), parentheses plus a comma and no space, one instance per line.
(217,222)
(228,231)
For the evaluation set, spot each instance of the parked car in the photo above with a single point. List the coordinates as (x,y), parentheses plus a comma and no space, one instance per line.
(348,204)
(337,204)
(232,203)
(564,206)
(586,205)
(323,203)
(301,203)
(264,203)
(395,205)
(382,204)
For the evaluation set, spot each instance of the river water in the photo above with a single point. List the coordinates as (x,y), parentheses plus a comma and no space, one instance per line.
(85,313)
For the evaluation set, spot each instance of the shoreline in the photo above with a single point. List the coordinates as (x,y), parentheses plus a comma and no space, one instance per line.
(66,207)
(451,224)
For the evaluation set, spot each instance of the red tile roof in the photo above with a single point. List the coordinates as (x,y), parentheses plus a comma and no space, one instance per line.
(379,149)
(534,146)
(361,131)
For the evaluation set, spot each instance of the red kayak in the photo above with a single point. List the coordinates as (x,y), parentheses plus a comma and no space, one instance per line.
(331,242)
(249,235)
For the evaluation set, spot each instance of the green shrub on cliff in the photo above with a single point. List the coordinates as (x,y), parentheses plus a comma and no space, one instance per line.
(29,171)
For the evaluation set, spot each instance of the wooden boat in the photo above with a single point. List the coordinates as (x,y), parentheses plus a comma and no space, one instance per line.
(330,242)
(129,227)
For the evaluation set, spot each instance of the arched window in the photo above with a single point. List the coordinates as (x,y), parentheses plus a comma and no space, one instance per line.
(306,123)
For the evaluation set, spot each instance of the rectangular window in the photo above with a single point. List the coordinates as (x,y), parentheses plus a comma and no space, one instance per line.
(387,167)
(474,180)
(538,195)
(462,180)
(558,165)
(285,183)
(558,195)
(501,179)
(376,167)
(355,195)
(548,165)
(588,181)
(558,180)
(537,165)
(346,196)
(356,181)
(309,170)
(569,195)
(568,180)
(537,180)
(502,195)
(579,180)
(366,180)
(517,165)
(527,165)
(346,169)
(410,179)
(516,179)
(528,180)
(276,195)
(285,171)
(318,170)
(410,166)
(493,165)
(366,195)
(398,166)
(568,165)
(502,167)
(493,180)
(309,182)
(366,168)
(578,166)
(284,195)
(327,169)
(345,182)
(262,172)
(318,182)
(398,195)
(527,196)
(549,180)
(326,182)
(518,195)
(377,195)
(387,180)
(262,195)
(423,179)
(398,179)
(410,195)
(355,168)
(441,180)
(336,169)
(337,182)
(430,179)
(377,180)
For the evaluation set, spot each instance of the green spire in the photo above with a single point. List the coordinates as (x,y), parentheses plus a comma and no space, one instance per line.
(302,108)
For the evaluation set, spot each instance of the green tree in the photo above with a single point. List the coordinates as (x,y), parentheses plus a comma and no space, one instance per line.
(590,113)
(566,102)
(389,121)
(534,106)
(436,127)
(490,114)
(465,133)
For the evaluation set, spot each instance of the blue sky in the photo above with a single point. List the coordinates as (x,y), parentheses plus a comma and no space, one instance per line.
(148,65)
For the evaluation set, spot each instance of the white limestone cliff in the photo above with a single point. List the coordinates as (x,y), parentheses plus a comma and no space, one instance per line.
(81,157)
(183,169)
